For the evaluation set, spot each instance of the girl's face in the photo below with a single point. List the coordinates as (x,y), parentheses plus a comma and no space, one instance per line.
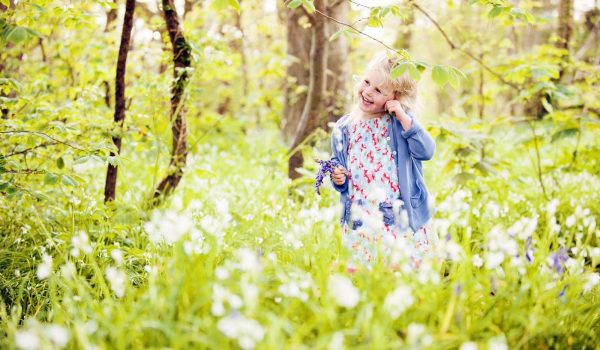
(373,94)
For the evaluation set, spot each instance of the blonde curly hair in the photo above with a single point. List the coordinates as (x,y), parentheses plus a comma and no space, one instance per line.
(404,87)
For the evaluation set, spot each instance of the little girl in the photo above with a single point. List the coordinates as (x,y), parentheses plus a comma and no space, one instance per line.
(379,147)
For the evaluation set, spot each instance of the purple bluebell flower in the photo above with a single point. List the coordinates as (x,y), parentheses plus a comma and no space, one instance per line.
(558,259)
(457,288)
(562,292)
(326,166)
(529,249)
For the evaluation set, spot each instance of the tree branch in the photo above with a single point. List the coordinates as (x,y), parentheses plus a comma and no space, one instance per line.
(456,47)
(42,134)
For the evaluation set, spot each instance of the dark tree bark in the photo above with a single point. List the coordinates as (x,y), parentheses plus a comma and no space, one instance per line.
(111,173)
(313,112)
(181,61)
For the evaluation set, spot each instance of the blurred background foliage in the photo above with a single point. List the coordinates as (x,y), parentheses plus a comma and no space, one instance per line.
(508,89)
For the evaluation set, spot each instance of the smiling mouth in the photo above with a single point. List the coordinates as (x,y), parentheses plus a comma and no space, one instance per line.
(365,100)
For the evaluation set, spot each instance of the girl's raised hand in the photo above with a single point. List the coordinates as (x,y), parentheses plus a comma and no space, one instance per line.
(339,175)
(394,106)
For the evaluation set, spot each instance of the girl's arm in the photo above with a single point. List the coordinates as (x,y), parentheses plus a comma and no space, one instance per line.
(420,144)
(336,148)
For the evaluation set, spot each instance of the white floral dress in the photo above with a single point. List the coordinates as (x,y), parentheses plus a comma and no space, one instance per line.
(373,184)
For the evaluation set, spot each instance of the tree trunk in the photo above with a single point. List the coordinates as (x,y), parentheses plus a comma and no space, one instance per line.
(181,61)
(111,16)
(565,29)
(297,71)
(313,112)
(111,173)
(337,70)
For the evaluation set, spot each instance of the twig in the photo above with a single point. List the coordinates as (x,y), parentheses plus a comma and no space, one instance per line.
(31,149)
(453,46)
(42,134)
(403,54)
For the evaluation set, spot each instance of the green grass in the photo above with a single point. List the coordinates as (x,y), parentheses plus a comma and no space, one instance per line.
(254,254)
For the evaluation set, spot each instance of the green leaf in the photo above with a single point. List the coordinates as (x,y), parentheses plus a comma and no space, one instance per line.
(16,35)
(464,177)
(455,76)
(235,5)
(485,168)
(60,162)
(309,6)
(569,132)
(294,4)
(400,68)
(439,74)
(50,179)
(414,72)
(336,34)
(67,180)
(32,32)
(495,11)
(40,195)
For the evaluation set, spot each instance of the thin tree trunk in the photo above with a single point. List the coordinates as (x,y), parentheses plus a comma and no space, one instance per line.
(181,61)
(111,173)
(565,29)
(111,16)
(313,112)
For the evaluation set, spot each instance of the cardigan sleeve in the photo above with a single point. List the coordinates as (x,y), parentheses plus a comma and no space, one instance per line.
(336,148)
(420,144)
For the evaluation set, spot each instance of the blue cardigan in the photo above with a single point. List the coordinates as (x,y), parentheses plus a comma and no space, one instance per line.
(409,147)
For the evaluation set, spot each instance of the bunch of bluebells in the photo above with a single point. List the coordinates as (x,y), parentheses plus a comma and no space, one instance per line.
(326,166)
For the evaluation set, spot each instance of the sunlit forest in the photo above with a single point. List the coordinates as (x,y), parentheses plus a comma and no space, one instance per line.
(160,183)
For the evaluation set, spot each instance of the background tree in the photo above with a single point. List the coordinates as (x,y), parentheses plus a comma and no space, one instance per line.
(111,172)
(310,103)
(181,62)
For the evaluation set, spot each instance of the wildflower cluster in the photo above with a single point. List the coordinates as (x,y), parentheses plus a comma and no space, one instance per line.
(326,166)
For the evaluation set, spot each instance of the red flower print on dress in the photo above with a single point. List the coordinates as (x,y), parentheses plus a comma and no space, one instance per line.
(378,167)
(368,177)
(375,139)
(370,156)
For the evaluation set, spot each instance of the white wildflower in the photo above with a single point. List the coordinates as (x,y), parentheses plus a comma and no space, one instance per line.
(468,346)
(45,268)
(221,272)
(168,226)
(477,261)
(116,278)
(341,289)
(417,335)
(248,260)
(497,343)
(247,331)
(592,280)
(117,256)
(398,301)
(58,335)
(80,243)
(27,340)
(337,341)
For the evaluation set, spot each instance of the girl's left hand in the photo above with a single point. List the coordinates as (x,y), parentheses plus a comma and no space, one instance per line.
(394,106)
